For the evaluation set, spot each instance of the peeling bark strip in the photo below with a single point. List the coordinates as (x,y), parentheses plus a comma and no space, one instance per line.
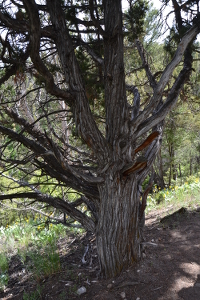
(131,168)
(148,141)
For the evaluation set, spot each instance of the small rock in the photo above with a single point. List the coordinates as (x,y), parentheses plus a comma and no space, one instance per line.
(138,271)
(123,295)
(137,298)
(143,255)
(69,283)
(109,286)
(81,290)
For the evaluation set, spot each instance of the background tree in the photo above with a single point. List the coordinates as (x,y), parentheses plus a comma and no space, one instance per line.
(70,124)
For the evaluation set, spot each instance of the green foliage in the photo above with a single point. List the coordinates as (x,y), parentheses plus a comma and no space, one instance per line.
(186,195)
(3,263)
(152,26)
(35,245)
(136,18)
(35,295)
(3,280)
(171,42)
(44,261)
(181,141)
(3,271)
(93,78)
(43,255)
(12,212)
(160,198)
(20,236)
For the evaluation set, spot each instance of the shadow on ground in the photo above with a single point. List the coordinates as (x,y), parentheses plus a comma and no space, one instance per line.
(193,292)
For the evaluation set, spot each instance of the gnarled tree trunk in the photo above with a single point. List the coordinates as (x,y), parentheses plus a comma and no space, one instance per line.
(118,233)
(118,157)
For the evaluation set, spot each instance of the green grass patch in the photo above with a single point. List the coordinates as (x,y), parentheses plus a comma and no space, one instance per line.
(36,246)
(3,271)
(186,195)
(44,260)
(36,295)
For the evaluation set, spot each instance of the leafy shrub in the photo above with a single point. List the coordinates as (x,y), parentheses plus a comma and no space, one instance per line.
(3,271)
(44,261)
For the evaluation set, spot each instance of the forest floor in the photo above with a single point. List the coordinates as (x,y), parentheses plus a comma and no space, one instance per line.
(169,270)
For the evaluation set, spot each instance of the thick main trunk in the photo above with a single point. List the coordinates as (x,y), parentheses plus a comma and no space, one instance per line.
(118,232)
